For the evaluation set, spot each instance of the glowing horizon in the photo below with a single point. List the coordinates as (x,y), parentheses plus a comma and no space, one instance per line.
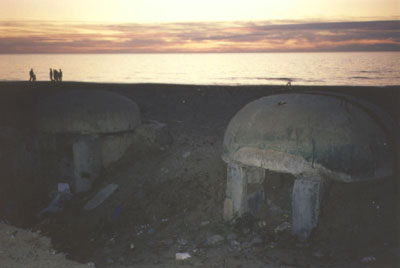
(125,26)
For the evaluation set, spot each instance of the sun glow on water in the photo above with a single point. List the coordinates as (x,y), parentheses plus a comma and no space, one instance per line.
(374,69)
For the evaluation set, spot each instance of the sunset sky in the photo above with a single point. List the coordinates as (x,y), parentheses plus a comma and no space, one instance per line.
(128,26)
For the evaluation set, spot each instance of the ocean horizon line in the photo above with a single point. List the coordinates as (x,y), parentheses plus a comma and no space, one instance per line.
(201,52)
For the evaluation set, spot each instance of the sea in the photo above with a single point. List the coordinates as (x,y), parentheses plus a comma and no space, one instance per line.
(334,68)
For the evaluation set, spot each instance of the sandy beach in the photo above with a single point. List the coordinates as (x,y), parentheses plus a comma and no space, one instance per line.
(170,199)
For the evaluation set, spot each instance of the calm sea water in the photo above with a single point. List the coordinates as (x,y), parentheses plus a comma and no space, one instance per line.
(361,68)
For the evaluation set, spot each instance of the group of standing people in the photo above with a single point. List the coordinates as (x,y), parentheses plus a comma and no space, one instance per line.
(55,75)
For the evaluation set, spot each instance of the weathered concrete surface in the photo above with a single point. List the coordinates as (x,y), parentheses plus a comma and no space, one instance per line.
(272,160)
(91,129)
(87,162)
(236,192)
(244,192)
(255,197)
(322,130)
(306,200)
(255,175)
(312,137)
(202,123)
(86,112)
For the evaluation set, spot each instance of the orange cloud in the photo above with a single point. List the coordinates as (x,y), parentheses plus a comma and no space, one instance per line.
(45,37)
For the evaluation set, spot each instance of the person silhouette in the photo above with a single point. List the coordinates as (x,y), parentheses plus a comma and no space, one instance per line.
(51,75)
(56,75)
(60,75)
(32,76)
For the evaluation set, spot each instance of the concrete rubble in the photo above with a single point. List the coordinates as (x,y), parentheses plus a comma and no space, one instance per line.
(63,195)
(100,197)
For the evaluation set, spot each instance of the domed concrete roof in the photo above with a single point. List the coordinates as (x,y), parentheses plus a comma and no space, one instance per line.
(299,133)
(87,111)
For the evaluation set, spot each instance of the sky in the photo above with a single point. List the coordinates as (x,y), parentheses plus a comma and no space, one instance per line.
(130,26)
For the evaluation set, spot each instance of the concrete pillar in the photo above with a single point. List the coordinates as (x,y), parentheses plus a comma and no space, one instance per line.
(306,201)
(255,189)
(87,162)
(255,197)
(237,203)
(236,192)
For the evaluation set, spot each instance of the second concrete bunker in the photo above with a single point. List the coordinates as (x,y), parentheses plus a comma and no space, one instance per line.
(313,137)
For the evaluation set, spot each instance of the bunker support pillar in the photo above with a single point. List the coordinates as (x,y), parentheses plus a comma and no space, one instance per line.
(306,202)
(86,162)
(237,199)
(236,192)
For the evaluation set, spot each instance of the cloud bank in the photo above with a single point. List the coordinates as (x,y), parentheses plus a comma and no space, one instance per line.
(46,37)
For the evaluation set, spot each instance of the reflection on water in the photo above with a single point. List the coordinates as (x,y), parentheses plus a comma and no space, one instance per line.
(370,68)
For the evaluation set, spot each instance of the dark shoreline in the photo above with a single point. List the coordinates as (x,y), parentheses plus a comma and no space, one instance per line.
(16,97)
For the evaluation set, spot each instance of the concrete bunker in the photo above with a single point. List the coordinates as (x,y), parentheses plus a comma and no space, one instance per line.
(85,131)
(313,137)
